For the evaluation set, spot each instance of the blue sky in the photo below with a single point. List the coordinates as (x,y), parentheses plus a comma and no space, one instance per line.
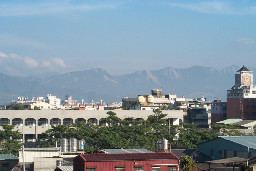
(38,37)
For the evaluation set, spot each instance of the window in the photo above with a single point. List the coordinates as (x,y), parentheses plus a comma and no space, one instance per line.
(4,121)
(172,168)
(138,168)
(155,168)
(120,168)
(91,168)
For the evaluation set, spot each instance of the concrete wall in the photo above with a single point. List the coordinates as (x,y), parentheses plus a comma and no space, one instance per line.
(32,153)
(45,164)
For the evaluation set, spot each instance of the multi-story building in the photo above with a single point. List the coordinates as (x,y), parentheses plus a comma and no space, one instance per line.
(153,101)
(218,111)
(32,123)
(54,101)
(200,116)
(241,98)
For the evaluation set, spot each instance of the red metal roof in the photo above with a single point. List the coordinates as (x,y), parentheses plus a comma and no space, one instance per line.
(128,156)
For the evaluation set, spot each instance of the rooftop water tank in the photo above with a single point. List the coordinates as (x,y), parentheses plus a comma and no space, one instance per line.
(141,99)
(64,145)
(150,99)
(73,145)
(81,144)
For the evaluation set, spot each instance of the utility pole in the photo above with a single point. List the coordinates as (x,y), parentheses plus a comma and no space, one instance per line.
(23,142)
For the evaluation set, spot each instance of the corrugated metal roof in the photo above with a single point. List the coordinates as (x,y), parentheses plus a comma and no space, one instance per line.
(228,160)
(140,150)
(8,157)
(246,123)
(128,156)
(230,121)
(248,141)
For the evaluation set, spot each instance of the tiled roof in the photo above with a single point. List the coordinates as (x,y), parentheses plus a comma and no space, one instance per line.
(8,157)
(248,141)
(140,150)
(128,156)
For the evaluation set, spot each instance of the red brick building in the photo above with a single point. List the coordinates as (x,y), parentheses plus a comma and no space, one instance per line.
(164,161)
(241,98)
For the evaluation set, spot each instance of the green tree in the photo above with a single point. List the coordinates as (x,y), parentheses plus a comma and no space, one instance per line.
(17,106)
(190,136)
(55,134)
(36,108)
(112,119)
(130,133)
(187,163)
(131,105)
(9,140)
(80,131)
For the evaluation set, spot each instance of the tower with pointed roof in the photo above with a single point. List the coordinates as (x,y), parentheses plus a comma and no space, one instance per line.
(241,98)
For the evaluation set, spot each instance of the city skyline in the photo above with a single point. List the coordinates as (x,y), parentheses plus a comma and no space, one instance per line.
(122,37)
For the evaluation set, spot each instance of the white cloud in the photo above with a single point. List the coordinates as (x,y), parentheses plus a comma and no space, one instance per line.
(47,64)
(14,56)
(2,55)
(215,7)
(30,62)
(14,64)
(54,63)
(245,41)
(59,62)
(48,8)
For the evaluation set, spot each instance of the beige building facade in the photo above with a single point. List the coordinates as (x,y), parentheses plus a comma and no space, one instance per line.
(35,122)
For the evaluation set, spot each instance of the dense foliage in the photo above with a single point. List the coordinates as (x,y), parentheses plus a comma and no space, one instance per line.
(190,136)
(130,133)
(187,163)
(9,140)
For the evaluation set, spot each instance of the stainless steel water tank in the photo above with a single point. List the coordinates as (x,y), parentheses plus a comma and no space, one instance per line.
(81,144)
(73,145)
(165,145)
(64,145)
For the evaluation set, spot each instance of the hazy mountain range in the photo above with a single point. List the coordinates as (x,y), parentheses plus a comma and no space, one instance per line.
(97,84)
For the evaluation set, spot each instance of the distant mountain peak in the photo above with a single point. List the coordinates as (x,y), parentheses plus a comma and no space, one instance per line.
(96,83)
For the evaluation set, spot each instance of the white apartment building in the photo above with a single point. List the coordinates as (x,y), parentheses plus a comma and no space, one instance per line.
(54,101)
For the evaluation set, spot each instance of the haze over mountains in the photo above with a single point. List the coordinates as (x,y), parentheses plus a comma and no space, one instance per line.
(97,84)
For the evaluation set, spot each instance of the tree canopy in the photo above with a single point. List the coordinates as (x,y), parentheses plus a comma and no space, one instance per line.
(130,133)
(10,140)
